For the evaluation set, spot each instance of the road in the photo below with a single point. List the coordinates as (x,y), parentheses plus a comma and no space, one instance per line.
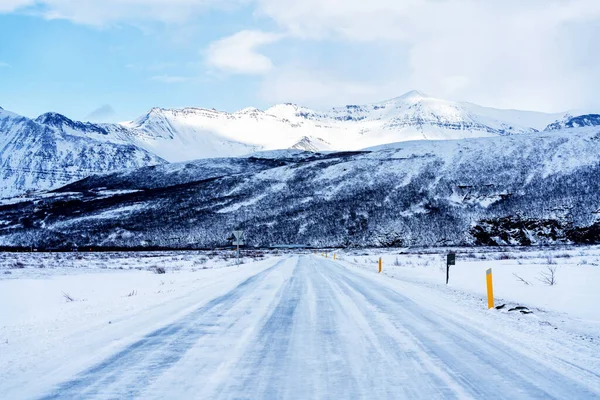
(309,327)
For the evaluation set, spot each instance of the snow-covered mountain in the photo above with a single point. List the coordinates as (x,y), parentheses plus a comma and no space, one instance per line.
(575,122)
(311,143)
(516,189)
(192,133)
(53,150)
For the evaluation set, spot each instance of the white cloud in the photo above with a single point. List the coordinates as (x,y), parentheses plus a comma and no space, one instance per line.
(317,90)
(238,53)
(12,5)
(4,64)
(507,54)
(536,54)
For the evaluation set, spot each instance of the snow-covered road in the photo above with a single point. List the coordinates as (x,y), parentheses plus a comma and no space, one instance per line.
(309,327)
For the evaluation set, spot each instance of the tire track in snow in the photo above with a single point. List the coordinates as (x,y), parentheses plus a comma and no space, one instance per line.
(481,366)
(298,351)
(127,373)
(315,329)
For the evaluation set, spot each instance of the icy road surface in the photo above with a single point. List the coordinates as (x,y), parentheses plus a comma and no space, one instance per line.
(308,327)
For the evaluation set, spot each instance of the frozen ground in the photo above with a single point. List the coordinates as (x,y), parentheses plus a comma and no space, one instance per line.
(520,275)
(298,326)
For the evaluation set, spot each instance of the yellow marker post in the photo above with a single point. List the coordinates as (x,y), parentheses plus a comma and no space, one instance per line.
(334,256)
(490,288)
(380,265)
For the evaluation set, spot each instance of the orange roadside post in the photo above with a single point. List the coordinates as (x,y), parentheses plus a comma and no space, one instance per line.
(490,288)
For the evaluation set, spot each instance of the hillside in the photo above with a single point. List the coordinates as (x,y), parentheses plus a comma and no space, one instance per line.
(498,190)
(53,150)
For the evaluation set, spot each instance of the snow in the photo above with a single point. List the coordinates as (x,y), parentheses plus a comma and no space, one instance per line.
(192,133)
(109,214)
(78,149)
(292,326)
(45,337)
(237,206)
(52,151)
(281,154)
(577,274)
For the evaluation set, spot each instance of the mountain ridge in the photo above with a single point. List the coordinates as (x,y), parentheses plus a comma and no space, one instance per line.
(190,133)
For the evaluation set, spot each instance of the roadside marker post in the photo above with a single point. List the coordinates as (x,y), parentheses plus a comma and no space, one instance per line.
(490,288)
(450,260)
(380,265)
(334,256)
(239,241)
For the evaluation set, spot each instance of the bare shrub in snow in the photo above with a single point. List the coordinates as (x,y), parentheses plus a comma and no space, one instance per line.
(18,265)
(548,276)
(563,255)
(68,297)
(159,270)
(522,280)
(255,254)
(397,262)
(550,260)
(505,256)
(132,293)
(201,261)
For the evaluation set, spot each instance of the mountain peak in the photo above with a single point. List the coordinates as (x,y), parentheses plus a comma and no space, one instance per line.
(156,110)
(53,119)
(312,144)
(249,110)
(413,95)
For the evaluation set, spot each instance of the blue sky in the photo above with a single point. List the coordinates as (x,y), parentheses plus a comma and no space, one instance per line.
(57,65)
(115,59)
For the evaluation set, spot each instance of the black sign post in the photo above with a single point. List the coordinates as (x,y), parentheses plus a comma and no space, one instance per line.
(450,260)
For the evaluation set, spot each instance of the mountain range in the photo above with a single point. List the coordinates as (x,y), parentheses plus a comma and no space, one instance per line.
(53,150)
(503,190)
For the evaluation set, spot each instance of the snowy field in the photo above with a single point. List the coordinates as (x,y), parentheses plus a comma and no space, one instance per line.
(520,275)
(113,325)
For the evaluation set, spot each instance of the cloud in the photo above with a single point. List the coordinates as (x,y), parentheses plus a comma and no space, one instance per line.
(316,89)
(106,12)
(238,54)
(4,64)
(102,113)
(170,79)
(12,5)
(536,54)
(505,54)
